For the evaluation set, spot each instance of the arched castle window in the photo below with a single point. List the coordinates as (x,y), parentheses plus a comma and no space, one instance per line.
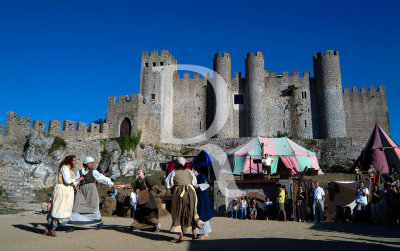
(154,63)
(305,94)
(125,128)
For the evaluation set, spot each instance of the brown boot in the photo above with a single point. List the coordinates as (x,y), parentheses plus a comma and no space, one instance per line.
(52,232)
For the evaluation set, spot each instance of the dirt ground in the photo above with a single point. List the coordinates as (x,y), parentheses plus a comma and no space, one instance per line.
(24,232)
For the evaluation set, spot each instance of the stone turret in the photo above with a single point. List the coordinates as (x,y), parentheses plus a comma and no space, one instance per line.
(255,98)
(156,88)
(222,66)
(332,123)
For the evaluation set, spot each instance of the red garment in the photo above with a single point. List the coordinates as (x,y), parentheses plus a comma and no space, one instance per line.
(170,167)
(188,165)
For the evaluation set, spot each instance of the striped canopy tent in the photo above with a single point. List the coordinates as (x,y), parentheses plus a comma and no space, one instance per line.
(380,151)
(293,156)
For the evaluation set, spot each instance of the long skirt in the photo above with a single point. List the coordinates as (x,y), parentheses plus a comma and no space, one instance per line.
(146,219)
(184,210)
(86,207)
(61,208)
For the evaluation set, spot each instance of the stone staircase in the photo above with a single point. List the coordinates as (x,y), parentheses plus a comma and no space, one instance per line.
(15,186)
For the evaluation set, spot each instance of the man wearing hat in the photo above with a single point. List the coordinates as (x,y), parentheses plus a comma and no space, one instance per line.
(86,203)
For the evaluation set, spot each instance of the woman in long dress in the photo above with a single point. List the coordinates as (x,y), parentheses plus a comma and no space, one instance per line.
(146,216)
(63,196)
(204,206)
(85,211)
(184,201)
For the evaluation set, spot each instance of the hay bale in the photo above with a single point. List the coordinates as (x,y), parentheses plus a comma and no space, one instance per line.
(123,206)
(109,206)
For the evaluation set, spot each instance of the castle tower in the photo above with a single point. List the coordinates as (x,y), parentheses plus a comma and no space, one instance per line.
(222,66)
(255,86)
(332,122)
(156,88)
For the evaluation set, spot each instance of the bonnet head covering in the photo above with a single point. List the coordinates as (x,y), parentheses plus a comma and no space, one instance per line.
(88,160)
(181,161)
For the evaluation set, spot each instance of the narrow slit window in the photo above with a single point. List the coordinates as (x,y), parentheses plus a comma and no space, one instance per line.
(305,94)
(305,123)
(284,125)
(238,99)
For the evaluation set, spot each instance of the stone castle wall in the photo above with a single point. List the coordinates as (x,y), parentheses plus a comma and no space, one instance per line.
(117,110)
(19,127)
(363,109)
(190,104)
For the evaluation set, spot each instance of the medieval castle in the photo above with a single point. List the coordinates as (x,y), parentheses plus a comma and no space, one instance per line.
(261,103)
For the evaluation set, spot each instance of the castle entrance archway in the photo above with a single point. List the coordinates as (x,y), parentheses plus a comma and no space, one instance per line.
(125,128)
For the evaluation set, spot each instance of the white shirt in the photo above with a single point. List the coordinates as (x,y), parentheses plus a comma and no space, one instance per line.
(243,204)
(268,161)
(169,181)
(67,176)
(318,193)
(98,176)
(361,198)
(134,197)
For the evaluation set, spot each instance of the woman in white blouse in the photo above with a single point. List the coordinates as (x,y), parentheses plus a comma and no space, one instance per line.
(85,211)
(63,196)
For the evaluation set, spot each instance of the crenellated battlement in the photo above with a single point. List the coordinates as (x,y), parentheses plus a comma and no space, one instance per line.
(196,75)
(286,75)
(328,53)
(155,59)
(221,55)
(19,126)
(363,90)
(123,100)
(252,55)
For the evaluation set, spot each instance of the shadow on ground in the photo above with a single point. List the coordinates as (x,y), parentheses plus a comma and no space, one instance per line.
(329,243)
(365,230)
(284,244)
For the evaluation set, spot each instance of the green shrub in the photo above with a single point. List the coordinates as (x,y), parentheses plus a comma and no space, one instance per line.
(283,135)
(129,143)
(311,143)
(58,143)
(292,90)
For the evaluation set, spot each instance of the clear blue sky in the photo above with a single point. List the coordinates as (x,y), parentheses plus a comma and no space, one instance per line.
(62,59)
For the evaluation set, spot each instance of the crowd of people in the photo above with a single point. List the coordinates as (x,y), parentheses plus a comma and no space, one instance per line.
(75,200)
(242,208)
(383,207)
